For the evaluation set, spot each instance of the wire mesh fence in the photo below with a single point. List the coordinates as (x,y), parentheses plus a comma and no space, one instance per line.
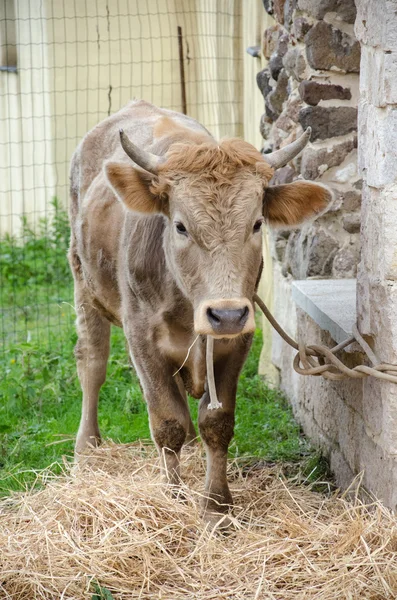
(64,66)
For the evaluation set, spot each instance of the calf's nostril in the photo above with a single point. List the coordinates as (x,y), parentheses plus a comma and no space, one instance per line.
(244,313)
(212,316)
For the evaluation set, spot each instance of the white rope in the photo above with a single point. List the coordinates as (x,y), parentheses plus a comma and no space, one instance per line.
(214,402)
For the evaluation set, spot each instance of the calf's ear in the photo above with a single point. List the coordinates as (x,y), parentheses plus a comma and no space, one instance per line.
(293,203)
(136,188)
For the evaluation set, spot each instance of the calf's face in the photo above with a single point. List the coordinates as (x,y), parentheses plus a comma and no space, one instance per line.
(214,247)
(215,199)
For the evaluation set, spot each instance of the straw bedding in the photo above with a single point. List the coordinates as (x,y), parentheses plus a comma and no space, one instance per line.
(115,523)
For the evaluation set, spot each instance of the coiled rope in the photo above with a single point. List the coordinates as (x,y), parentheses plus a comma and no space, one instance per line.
(319,360)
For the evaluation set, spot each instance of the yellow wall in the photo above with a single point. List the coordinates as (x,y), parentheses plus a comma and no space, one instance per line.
(26,149)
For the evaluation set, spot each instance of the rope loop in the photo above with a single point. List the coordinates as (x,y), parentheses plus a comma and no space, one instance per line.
(318,360)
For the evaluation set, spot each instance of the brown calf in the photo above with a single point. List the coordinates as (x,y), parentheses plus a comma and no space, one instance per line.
(166,243)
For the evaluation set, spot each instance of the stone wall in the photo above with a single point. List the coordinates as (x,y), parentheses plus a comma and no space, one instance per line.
(376,28)
(312,80)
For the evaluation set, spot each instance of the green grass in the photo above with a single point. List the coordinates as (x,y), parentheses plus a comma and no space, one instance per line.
(35,280)
(40,408)
(40,395)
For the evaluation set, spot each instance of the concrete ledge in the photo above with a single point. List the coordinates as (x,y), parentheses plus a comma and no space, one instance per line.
(331,303)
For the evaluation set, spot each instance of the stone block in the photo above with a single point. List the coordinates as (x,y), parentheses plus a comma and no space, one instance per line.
(285,312)
(265,126)
(351,200)
(310,252)
(339,466)
(289,117)
(276,59)
(378,76)
(378,148)
(376,23)
(358,185)
(331,306)
(387,92)
(388,438)
(295,64)
(268,6)
(272,116)
(313,92)
(278,10)
(350,432)
(380,301)
(300,27)
(351,223)
(263,82)
(317,159)
(348,171)
(320,253)
(284,175)
(328,121)
(345,9)
(330,48)
(279,248)
(372,407)
(325,408)
(380,471)
(271,36)
(277,97)
(289,8)
(345,262)
(379,257)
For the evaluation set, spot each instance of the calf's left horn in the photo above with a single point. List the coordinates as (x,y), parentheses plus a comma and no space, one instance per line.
(281,157)
(148,161)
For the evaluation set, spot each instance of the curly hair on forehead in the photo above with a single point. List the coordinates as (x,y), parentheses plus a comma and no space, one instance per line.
(214,159)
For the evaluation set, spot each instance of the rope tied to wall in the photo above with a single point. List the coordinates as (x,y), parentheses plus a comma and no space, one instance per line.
(314,359)
(319,360)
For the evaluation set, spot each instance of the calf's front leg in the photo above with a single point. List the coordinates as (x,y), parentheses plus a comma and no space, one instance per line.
(217,427)
(169,416)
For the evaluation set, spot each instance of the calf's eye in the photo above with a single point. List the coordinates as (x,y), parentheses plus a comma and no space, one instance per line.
(258,225)
(181,228)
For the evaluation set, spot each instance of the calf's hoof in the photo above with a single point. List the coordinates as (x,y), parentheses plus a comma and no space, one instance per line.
(216,511)
(220,522)
(85,442)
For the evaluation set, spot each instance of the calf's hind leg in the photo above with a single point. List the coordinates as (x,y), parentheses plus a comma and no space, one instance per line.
(92,353)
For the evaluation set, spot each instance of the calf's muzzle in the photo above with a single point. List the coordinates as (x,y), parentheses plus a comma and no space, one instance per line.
(225,317)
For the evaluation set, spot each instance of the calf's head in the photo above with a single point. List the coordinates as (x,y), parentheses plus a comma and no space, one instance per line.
(214,198)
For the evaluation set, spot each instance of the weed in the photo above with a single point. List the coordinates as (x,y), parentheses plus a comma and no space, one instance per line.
(100,592)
